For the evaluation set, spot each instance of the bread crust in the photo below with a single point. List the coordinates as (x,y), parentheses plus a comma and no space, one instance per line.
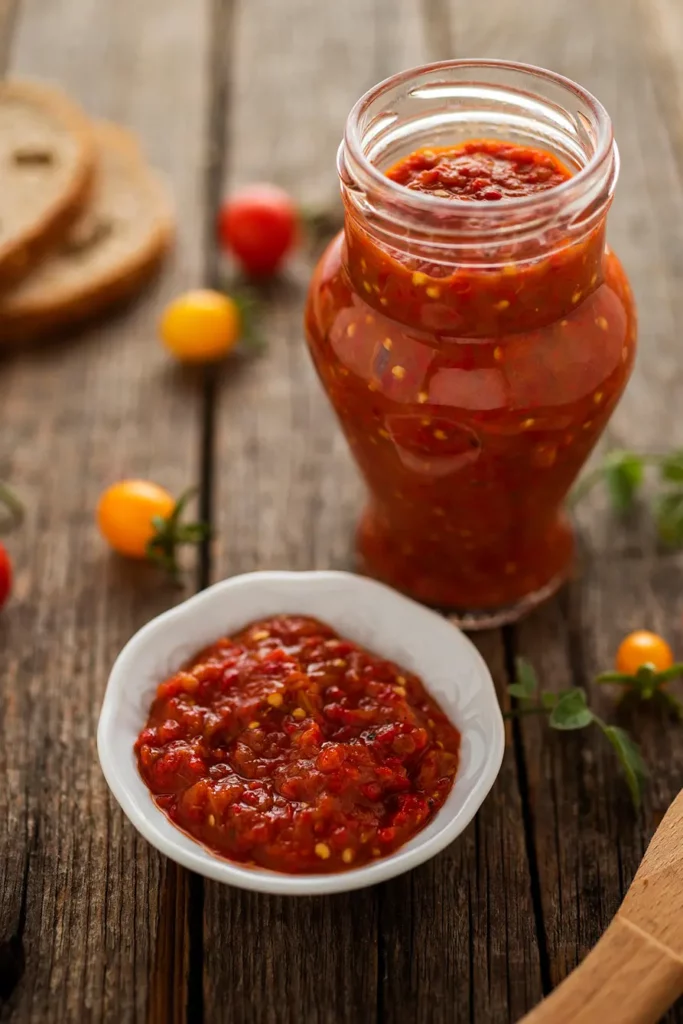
(19,254)
(50,314)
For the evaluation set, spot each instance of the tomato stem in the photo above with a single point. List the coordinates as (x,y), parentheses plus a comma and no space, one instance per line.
(14,509)
(171,532)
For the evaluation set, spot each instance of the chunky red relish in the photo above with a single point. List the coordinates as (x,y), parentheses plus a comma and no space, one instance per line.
(290,748)
(480,169)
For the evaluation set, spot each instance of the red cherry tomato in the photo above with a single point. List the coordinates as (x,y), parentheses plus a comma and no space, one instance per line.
(5,575)
(258,225)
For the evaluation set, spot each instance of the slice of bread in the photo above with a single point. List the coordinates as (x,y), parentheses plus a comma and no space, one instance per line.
(111,249)
(47,157)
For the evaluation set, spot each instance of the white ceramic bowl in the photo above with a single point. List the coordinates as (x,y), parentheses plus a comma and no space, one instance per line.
(357,608)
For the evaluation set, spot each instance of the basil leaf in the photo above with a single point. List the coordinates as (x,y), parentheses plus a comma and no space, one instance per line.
(671,467)
(623,476)
(670,518)
(630,759)
(571,711)
(527,682)
(518,691)
(549,700)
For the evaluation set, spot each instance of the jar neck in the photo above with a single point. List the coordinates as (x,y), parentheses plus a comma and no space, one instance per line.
(447,103)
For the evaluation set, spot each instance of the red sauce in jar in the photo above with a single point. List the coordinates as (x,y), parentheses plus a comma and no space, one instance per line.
(479,169)
(289,748)
(471,393)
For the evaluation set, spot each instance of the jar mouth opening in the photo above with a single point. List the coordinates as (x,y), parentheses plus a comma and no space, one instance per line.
(575,124)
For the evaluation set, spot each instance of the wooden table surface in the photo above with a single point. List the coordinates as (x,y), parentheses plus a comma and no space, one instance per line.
(94,924)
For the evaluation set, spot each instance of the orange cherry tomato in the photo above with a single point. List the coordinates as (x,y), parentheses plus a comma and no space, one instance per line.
(201,326)
(125,512)
(643,648)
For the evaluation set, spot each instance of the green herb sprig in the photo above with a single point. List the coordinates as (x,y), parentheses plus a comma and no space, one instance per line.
(170,533)
(568,710)
(648,684)
(624,473)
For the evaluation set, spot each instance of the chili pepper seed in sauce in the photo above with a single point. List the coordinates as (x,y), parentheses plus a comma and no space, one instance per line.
(287,747)
(481,169)
(471,390)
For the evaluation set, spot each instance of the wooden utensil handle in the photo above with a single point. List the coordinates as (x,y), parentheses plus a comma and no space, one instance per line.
(628,978)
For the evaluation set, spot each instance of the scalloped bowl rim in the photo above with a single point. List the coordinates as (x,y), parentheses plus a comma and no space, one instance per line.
(372,614)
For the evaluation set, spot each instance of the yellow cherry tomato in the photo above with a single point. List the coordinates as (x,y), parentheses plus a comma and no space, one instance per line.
(643,648)
(201,326)
(125,512)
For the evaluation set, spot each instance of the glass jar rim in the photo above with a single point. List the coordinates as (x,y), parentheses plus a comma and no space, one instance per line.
(352,156)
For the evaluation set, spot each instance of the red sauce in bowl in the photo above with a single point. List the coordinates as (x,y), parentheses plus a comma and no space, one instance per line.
(287,747)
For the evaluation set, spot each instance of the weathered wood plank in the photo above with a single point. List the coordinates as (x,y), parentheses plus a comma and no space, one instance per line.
(8,14)
(88,902)
(284,488)
(446,931)
(588,843)
(458,935)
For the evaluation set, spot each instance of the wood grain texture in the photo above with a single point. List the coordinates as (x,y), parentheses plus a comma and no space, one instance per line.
(8,14)
(82,897)
(456,939)
(635,972)
(104,929)
(285,489)
(458,935)
(588,842)
(626,979)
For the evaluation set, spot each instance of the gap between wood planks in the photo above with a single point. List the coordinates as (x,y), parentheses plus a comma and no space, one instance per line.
(217,151)
(191,916)
(12,955)
(180,963)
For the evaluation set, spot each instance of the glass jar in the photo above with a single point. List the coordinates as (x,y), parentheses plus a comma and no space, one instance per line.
(473,351)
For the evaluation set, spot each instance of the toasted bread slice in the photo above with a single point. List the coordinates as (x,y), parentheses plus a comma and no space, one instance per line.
(109,252)
(47,157)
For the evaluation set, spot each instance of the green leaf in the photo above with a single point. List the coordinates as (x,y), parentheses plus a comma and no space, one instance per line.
(623,476)
(622,678)
(518,691)
(669,673)
(193,533)
(630,759)
(571,711)
(670,518)
(671,467)
(171,532)
(549,700)
(527,682)
(182,502)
